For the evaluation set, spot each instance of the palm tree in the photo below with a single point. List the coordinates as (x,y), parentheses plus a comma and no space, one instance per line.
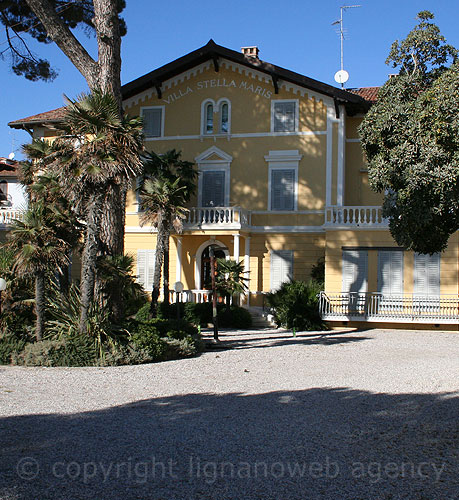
(230,280)
(98,150)
(38,250)
(162,207)
(166,186)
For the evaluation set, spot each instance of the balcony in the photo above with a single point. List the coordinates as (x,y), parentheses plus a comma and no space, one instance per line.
(355,217)
(7,216)
(217,218)
(402,308)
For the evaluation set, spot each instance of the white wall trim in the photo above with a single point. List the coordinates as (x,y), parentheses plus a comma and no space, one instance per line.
(287,229)
(341,157)
(236,136)
(329,157)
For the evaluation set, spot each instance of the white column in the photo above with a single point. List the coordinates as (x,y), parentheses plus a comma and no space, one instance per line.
(329,156)
(247,266)
(236,247)
(341,151)
(178,271)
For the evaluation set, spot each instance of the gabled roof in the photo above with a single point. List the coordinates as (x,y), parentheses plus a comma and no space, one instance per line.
(354,101)
(8,168)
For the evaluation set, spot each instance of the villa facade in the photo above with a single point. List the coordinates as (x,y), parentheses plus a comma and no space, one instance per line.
(282,184)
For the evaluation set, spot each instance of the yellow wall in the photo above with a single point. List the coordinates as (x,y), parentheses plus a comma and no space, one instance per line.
(371,240)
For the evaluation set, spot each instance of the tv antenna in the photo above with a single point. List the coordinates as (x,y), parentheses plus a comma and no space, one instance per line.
(342,76)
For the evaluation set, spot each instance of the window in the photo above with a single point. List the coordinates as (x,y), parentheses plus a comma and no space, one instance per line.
(3,191)
(215,116)
(281,267)
(146,268)
(213,188)
(153,121)
(282,189)
(355,271)
(224,116)
(209,128)
(284,116)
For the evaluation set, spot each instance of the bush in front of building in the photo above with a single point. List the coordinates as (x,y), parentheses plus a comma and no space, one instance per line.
(295,305)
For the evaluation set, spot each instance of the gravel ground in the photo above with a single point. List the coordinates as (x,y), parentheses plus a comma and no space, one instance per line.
(342,416)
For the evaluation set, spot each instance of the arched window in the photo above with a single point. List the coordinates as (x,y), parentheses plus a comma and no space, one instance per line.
(209,125)
(224,118)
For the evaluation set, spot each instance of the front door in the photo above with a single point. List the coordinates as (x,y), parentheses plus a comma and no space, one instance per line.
(206,277)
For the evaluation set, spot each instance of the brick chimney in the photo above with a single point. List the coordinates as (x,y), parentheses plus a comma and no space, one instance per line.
(250,51)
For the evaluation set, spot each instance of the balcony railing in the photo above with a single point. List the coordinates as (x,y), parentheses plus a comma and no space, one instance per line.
(355,216)
(217,217)
(196,296)
(403,308)
(7,216)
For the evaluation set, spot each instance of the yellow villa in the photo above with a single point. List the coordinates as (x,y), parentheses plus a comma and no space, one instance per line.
(282,184)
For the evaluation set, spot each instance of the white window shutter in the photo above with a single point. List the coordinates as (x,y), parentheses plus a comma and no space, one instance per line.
(427,274)
(282,189)
(281,268)
(355,271)
(213,189)
(390,272)
(150,268)
(152,122)
(141,267)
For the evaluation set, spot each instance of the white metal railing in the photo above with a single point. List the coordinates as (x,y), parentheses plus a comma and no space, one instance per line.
(197,296)
(7,216)
(231,217)
(355,216)
(374,306)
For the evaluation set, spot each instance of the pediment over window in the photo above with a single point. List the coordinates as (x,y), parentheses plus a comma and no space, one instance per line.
(213,155)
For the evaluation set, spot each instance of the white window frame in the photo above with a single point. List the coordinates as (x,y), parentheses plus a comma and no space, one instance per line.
(283,160)
(205,164)
(297,118)
(163,116)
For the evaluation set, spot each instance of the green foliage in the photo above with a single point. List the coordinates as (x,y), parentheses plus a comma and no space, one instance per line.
(295,305)
(70,351)
(10,345)
(124,354)
(230,278)
(238,317)
(64,315)
(143,314)
(146,337)
(198,313)
(410,139)
(318,271)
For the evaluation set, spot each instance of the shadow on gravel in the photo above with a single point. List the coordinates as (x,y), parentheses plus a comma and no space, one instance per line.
(252,341)
(336,444)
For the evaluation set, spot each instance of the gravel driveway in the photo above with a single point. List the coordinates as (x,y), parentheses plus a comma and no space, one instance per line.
(342,416)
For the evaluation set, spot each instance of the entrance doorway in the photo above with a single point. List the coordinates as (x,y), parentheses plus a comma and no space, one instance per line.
(206,277)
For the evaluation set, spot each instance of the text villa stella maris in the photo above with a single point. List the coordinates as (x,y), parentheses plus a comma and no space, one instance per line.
(215,83)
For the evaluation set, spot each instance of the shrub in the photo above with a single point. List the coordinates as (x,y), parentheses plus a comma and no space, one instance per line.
(10,345)
(198,314)
(120,354)
(69,351)
(295,305)
(237,318)
(181,348)
(146,337)
(143,314)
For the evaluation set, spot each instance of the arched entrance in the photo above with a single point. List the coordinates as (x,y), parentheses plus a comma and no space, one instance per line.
(202,262)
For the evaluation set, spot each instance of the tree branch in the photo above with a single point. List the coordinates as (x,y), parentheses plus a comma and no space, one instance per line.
(65,40)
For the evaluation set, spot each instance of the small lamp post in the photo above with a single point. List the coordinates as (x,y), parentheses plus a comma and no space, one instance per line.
(178,289)
(2,289)
(214,291)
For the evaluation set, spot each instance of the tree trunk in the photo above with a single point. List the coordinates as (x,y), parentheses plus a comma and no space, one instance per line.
(166,267)
(89,258)
(159,255)
(39,304)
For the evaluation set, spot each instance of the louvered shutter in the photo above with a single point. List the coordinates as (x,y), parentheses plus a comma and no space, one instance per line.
(427,274)
(282,189)
(390,272)
(281,267)
(213,189)
(152,122)
(141,266)
(355,271)
(284,116)
(146,268)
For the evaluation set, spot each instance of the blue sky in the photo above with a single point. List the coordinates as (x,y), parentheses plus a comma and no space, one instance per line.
(297,35)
